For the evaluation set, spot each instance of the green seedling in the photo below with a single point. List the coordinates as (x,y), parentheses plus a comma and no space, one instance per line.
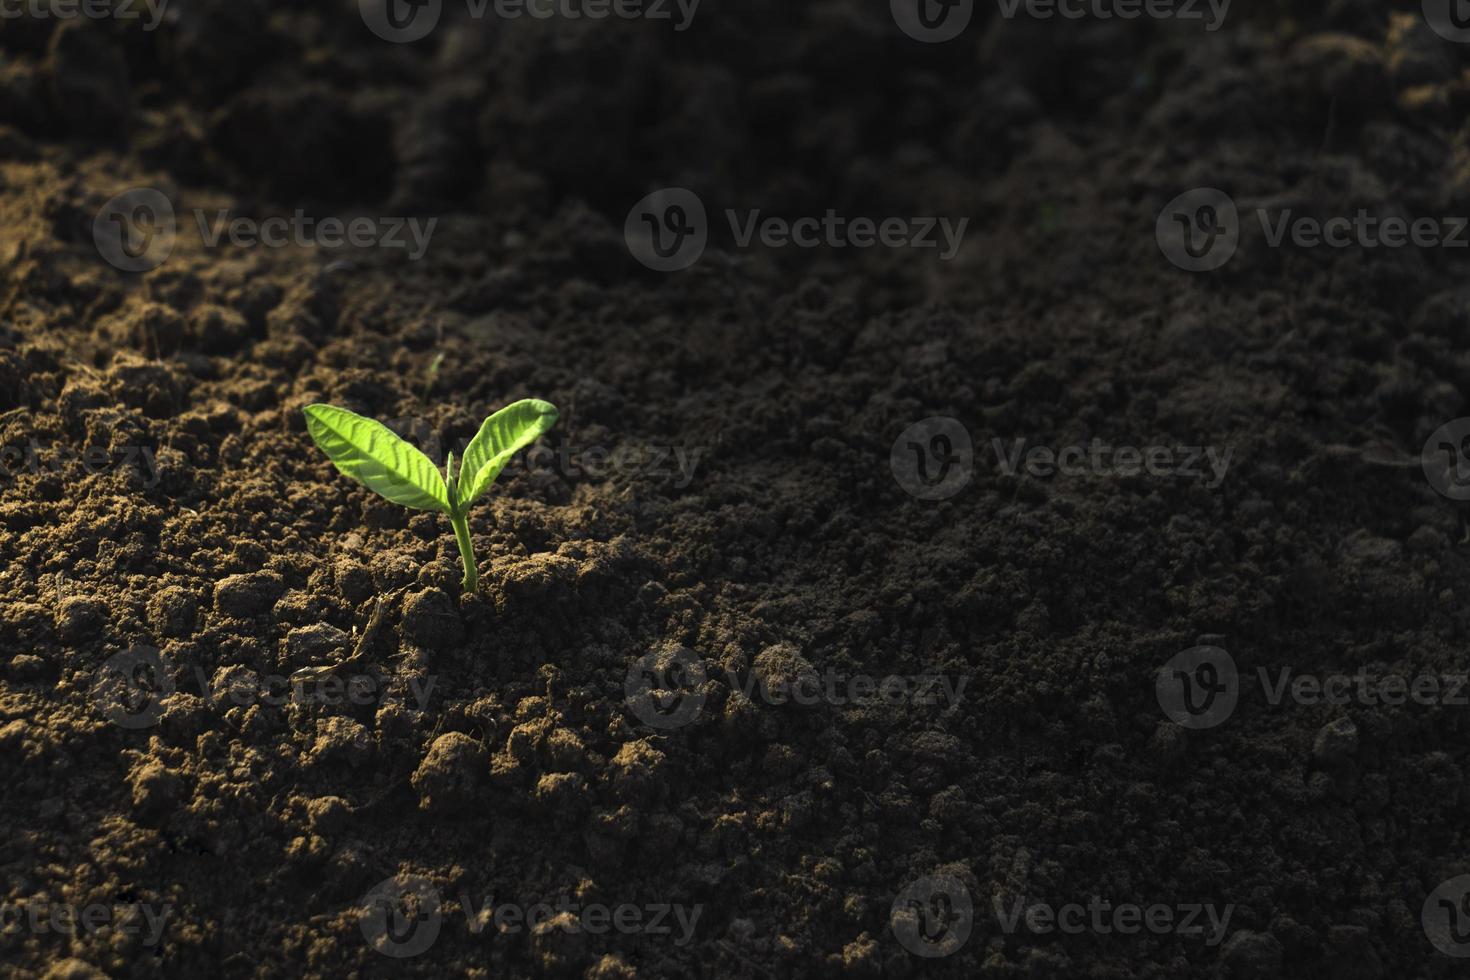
(374,455)
(431,373)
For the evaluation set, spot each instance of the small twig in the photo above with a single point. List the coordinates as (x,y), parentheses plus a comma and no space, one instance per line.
(364,641)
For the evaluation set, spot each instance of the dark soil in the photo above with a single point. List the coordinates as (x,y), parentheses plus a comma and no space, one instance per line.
(495,753)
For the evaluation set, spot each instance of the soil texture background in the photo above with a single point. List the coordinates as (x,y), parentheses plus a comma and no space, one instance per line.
(735,502)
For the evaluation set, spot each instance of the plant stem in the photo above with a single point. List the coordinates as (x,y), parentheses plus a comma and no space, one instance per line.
(466,551)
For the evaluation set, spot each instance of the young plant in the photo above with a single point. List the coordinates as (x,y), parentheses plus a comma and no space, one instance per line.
(373,455)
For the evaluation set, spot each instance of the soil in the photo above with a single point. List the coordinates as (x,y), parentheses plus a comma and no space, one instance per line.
(495,752)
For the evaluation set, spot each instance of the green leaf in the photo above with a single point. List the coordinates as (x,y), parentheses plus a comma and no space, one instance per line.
(373,455)
(503,434)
